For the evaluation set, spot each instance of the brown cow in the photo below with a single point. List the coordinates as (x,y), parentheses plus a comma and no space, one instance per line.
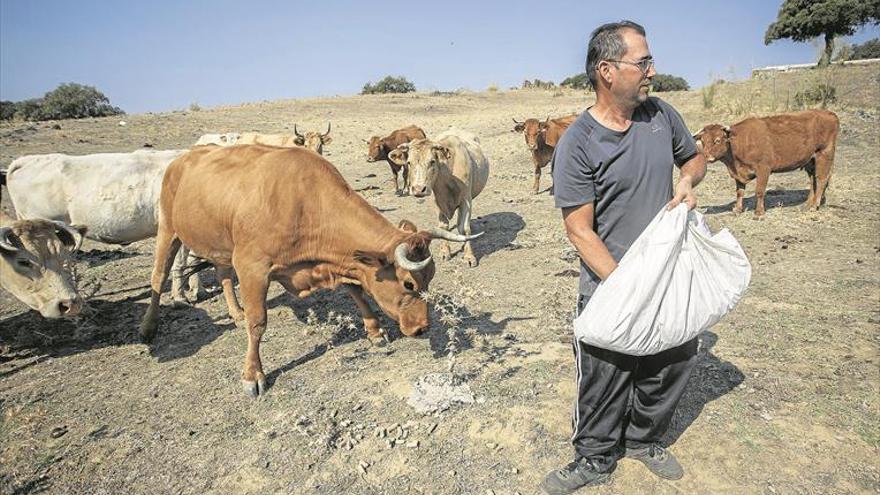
(758,147)
(287,215)
(380,147)
(541,138)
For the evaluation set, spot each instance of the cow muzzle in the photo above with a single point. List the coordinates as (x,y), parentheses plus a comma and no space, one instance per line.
(418,191)
(62,308)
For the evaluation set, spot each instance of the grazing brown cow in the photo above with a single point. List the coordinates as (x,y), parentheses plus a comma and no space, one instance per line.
(758,147)
(541,138)
(380,147)
(287,215)
(314,141)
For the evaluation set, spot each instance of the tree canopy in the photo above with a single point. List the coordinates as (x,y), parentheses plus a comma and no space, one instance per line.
(803,20)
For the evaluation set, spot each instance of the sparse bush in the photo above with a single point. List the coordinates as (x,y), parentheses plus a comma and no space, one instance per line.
(75,101)
(868,49)
(194,107)
(668,82)
(389,85)
(538,84)
(7,110)
(493,88)
(820,93)
(708,94)
(578,81)
(31,109)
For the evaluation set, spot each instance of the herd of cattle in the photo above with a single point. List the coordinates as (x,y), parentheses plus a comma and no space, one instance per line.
(269,223)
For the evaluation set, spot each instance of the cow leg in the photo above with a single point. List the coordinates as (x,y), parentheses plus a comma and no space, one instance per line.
(177,282)
(167,245)
(254,283)
(224,275)
(760,189)
(375,334)
(196,289)
(824,163)
(464,227)
(395,169)
(740,192)
(537,178)
(811,175)
(443,223)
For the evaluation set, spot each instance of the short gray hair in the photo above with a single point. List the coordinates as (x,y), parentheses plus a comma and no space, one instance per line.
(606,43)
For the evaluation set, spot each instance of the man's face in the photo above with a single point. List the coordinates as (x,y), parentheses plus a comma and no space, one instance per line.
(630,83)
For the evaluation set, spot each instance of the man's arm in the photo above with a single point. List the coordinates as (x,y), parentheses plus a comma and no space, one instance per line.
(692,172)
(579,227)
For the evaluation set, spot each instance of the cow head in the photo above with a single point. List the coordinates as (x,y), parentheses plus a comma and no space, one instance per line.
(532,129)
(314,141)
(376,149)
(425,159)
(35,261)
(713,141)
(396,279)
(229,138)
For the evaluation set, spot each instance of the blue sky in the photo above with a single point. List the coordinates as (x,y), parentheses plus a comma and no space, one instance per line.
(165,54)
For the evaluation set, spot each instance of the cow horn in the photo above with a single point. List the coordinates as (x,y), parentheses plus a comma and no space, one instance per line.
(449,236)
(515,121)
(297,133)
(77,236)
(401,257)
(5,243)
(328,130)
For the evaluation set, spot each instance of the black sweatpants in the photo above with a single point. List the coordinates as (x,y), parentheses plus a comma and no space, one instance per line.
(623,400)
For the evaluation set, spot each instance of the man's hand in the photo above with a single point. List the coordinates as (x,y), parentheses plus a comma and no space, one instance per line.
(684,191)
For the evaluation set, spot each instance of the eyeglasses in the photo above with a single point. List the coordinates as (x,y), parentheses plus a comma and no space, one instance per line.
(644,65)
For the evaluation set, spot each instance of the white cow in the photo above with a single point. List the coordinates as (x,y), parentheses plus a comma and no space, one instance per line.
(227,139)
(113,195)
(453,168)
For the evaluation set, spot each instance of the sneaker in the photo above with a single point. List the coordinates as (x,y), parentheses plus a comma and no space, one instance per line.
(658,460)
(577,474)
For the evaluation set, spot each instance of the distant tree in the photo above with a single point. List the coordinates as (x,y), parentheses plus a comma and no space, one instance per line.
(389,85)
(75,101)
(578,81)
(31,109)
(668,82)
(7,110)
(868,49)
(803,20)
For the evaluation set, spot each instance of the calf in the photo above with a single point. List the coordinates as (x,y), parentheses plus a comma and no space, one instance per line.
(378,149)
(758,147)
(541,139)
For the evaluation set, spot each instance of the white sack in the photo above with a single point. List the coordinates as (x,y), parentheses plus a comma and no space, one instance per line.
(675,281)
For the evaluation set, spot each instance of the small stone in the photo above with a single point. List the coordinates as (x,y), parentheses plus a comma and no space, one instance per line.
(515,470)
(413,445)
(451,473)
(492,445)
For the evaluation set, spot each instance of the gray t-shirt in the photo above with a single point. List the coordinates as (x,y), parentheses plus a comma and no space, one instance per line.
(627,175)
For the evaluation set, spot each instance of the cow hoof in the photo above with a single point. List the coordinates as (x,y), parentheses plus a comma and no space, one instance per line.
(736,211)
(758,217)
(148,331)
(256,388)
(380,340)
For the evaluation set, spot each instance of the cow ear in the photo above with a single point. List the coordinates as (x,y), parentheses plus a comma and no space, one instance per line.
(442,152)
(375,260)
(398,156)
(726,130)
(7,245)
(407,226)
(519,128)
(326,139)
(223,137)
(299,141)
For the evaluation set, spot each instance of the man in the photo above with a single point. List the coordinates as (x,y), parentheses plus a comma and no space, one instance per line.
(612,173)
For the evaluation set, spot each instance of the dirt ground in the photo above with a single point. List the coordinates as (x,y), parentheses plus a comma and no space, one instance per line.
(785,397)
